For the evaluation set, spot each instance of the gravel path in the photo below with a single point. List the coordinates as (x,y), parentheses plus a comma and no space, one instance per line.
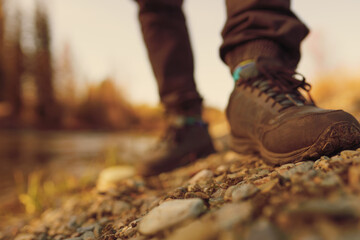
(225,196)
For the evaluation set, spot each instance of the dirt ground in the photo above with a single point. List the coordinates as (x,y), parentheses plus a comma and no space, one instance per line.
(234,197)
(225,196)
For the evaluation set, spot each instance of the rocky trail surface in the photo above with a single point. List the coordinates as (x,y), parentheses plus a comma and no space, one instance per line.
(225,196)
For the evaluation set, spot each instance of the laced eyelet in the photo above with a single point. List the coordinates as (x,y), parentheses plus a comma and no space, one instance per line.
(280,84)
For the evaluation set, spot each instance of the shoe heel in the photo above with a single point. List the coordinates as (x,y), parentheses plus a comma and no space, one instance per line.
(206,151)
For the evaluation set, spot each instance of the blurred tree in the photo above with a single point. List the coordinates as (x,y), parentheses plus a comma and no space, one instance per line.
(2,47)
(65,79)
(48,109)
(65,86)
(106,108)
(15,67)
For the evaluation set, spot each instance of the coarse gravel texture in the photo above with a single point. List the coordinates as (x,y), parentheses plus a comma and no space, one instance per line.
(233,197)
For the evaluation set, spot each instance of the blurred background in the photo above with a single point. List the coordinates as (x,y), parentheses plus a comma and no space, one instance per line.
(77,93)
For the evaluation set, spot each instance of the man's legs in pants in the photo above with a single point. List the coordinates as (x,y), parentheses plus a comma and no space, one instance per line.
(267,113)
(254,29)
(266,28)
(167,40)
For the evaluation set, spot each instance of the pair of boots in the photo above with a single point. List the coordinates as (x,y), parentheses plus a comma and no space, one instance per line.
(267,114)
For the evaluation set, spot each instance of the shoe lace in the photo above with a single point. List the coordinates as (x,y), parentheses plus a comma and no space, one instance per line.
(280,84)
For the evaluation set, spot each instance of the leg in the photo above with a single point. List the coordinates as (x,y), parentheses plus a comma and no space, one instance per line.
(266,111)
(166,37)
(167,41)
(261,28)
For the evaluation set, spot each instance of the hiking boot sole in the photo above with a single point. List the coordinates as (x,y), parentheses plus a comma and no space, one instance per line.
(194,156)
(337,137)
(186,159)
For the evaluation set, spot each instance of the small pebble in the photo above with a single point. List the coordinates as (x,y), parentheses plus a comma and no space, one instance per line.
(263,229)
(85,229)
(119,207)
(354,177)
(109,177)
(225,217)
(229,192)
(243,191)
(97,230)
(170,213)
(200,176)
(331,180)
(348,154)
(221,169)
(88,236)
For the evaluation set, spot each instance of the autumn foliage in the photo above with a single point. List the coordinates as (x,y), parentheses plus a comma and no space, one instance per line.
(39,90)
(36,93)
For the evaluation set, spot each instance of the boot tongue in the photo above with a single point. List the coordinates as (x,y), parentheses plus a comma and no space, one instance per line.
(248,70)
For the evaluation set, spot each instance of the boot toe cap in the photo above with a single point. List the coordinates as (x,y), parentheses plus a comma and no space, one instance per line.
(313,129)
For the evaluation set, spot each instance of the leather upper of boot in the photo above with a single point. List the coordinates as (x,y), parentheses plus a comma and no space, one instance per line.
(182,143)
(267,107)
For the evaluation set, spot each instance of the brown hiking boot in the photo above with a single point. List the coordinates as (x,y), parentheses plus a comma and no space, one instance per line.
(268,114)
(184,142)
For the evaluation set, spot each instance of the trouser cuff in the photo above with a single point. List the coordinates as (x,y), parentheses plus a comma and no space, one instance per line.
(258,48)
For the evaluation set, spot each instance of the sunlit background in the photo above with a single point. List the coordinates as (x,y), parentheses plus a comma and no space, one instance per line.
(105,40)
(69,67)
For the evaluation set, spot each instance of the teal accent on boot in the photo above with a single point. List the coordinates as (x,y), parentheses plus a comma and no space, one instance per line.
(180,121)
(194,121)
(243,65)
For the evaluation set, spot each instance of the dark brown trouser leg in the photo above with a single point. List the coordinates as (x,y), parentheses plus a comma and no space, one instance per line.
(261,28)
(166,37)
